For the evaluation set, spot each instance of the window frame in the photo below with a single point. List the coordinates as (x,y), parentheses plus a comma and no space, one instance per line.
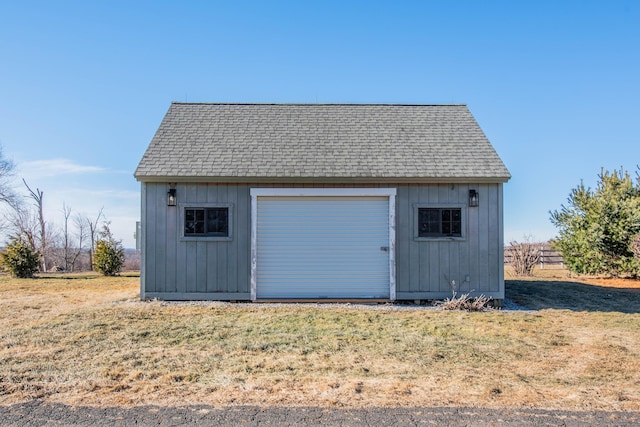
(205,237)
(416,221)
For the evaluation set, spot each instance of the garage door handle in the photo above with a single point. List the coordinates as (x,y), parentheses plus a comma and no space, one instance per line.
(384,248)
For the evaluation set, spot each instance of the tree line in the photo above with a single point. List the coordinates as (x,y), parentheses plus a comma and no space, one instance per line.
(36,245)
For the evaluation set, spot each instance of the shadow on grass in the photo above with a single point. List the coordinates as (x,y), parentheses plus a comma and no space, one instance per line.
(577,296)
(82,275)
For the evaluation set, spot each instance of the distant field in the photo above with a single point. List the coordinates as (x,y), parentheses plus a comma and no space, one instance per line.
(86,339)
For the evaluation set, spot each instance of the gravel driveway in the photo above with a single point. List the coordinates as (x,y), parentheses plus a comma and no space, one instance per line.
(49,414)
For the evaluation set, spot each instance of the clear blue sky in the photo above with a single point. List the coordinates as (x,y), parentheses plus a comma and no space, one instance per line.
(555,85)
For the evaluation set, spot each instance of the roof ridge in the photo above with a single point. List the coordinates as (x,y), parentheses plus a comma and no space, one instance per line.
(297,104)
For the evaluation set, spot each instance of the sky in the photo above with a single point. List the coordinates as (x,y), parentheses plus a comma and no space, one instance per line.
(555,85)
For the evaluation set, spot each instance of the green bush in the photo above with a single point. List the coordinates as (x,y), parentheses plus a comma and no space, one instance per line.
(597,227)
(19,259)
(108,258)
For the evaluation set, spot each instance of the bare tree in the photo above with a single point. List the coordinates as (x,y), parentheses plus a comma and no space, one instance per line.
(82,232)
(66,241)
(69,251)
(23,221)
(93,233)
(523,256)
(72,249)
(38,197)
(7,194)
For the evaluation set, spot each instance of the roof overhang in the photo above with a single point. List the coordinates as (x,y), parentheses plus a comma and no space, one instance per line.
(325,180)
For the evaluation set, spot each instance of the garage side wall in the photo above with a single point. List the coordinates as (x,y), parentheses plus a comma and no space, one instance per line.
(427,268)
(174,268)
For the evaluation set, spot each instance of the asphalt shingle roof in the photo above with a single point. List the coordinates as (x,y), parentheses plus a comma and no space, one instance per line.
(320,142)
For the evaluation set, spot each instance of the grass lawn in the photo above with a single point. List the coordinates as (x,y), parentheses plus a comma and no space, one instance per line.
(86,339)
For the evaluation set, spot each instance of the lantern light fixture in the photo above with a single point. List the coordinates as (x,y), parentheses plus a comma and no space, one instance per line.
(473,198)
(171,197)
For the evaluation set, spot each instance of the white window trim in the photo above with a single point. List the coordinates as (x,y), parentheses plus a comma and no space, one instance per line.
(194,205)
(324,192)
(463,218)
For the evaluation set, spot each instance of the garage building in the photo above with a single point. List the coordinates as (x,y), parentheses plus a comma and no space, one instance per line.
(268,202)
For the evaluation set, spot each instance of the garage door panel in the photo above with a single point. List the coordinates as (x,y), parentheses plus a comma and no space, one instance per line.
(322,247)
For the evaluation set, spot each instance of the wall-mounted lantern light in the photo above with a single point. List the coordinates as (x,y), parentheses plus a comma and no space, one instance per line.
(473,198)
(171,197)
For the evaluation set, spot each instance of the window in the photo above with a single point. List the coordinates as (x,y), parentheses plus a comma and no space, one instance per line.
(439,222)
(211,222)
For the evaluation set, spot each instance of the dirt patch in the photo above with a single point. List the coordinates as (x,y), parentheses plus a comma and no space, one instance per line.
(618,283)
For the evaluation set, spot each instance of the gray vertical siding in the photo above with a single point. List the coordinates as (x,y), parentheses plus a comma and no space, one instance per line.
(426,268)
(178,269)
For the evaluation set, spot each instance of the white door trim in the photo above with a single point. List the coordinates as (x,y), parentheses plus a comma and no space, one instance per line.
(327,192)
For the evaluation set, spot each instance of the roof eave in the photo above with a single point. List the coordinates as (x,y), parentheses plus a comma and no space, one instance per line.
(325,180)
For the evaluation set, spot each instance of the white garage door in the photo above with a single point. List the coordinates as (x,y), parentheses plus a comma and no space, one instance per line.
(322,247)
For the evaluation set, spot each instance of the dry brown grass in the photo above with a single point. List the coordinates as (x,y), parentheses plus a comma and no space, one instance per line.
(88,340)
